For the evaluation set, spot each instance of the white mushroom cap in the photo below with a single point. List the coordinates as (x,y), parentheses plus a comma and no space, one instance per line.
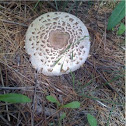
(58,43)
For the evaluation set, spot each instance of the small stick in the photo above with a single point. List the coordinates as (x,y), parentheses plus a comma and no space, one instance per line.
(16,71)
(17,88)
(25,9)
(12,22)
(34,98)
(108,85)
(5,120)
(105,33)
(112,89)
(102,104)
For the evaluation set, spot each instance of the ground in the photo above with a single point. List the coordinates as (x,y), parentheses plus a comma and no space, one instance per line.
(98,85)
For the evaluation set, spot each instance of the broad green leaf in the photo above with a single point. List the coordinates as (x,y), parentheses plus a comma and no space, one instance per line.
(52,99)
(91,119)
(62,116)
(14,98)
(121,29)
(117,15)
(74,104)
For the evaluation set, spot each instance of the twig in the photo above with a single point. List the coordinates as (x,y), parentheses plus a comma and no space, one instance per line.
(105,33)
(33,105)
(15,23)
(16,71)
(29,79)
(7,123)
(25,9)
(101,76)
(106,84)
(102,104)
(17,88)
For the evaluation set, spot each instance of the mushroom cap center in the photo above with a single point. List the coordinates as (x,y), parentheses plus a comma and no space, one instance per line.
(58,39)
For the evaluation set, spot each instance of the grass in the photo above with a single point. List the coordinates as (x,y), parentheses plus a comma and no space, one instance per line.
(36,4)
(110,115)
(65,5)
(73,78)
(103,100)
(56,5)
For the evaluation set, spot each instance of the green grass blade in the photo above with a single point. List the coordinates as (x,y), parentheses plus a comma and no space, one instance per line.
(68,47)
(56,61)
(104,100)
(77,6)
(61,67)
(110,115)
(81,39)
(71,8)
(36,4)
(72,55)
(113,79)
(65,5)
(73,78)
(87,84)
(14,98)
(117,15)
(56,5)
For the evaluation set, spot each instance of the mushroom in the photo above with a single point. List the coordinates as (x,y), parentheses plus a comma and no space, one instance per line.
(58,43)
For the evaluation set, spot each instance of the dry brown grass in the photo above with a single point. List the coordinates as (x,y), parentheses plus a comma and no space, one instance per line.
(102,76)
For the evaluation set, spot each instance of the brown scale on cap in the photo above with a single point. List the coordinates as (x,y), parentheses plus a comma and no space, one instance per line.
(59,63)
(40,54)
(77,62)
(80,58)
(42,60)
(64,71)
(50,70)
(31,25)
(30,39)
(71,19)
(56,18)
(82,47)
(58,39)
